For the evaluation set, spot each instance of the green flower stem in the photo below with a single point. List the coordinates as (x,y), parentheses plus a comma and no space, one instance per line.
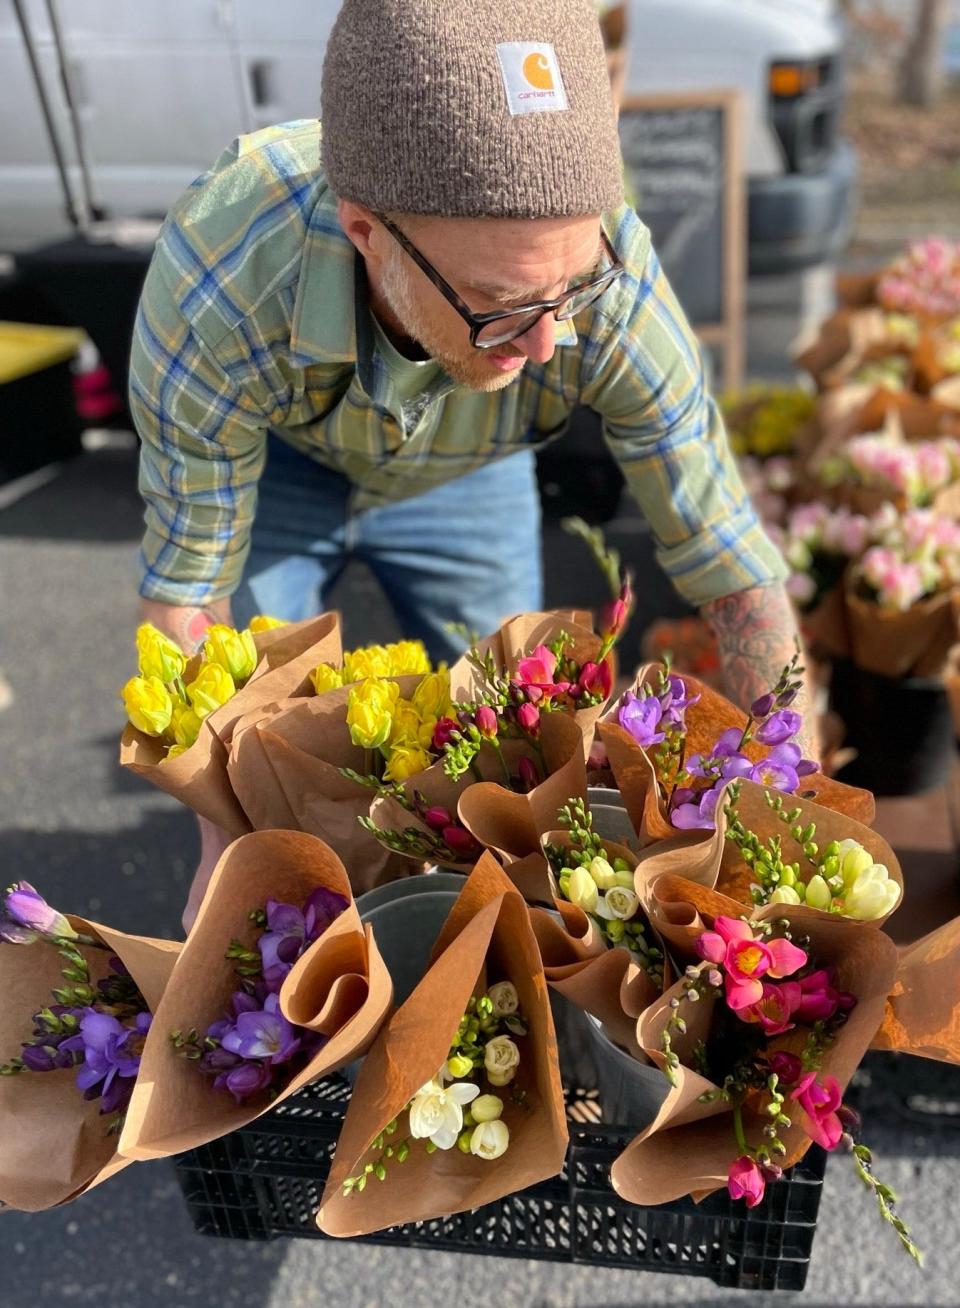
(886,1199)
(742,1145)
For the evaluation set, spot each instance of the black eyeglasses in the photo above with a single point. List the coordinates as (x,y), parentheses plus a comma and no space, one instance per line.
(490,329)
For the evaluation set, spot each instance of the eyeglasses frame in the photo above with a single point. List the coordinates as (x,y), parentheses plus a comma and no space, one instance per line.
(477,321)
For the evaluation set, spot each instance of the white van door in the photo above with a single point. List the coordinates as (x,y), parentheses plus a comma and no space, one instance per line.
(280,50)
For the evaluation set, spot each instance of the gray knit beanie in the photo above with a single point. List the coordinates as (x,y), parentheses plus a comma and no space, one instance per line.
(473,108)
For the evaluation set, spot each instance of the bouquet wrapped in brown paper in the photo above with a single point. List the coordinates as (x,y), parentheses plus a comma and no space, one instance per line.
(422,1128)
(69,1069)
(278,984)
(899,596)
(673,743)
(204,705)
(854,343)
(787,1008)
(768,848)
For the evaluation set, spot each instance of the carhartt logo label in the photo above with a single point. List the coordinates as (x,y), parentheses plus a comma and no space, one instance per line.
(531,77)
(536,69)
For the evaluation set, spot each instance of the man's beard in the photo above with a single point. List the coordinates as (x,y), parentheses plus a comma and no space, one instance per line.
(469,368)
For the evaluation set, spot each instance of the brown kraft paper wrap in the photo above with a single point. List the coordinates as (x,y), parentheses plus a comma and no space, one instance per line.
(706,721)
(688,1148)
(284,767)
(897,644)
(670,875)
(487,938)
(497,811)
(518,637)
(922,1014)
(198,777)
(55,1145)
(340,987)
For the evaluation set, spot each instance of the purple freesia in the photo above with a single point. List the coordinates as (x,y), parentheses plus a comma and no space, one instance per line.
(777,776)
(111,1056)
(266,1034)
(25,908)
(641,717)
(728,743)
(321,910)
(675,701)
(779,728)
(764,706)
(244,1080)
(735,765)
(697,814)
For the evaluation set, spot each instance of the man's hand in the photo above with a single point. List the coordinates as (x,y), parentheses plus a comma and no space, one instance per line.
(185,625)
(213,843)
(757,634)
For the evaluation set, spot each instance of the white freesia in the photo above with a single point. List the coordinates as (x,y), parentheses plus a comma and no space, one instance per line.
(490,1140)
(818,893)
(487,1108)
(501,1058)
(784,895)
(854,859)
(504,998)
(872,894)
(602,873)
(436,1111)
(582,890)
(618,902)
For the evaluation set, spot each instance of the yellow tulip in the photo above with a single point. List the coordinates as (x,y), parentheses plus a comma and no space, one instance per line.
(158,655)
(234,651)
(262,622)
(212,688)
(406,657)
(370,708)
(432,697)
(371,661)
(326,678)
(148,703)
(406,725)
(406,761)
(185,724)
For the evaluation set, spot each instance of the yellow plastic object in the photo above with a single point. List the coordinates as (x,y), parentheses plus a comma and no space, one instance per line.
(27,348)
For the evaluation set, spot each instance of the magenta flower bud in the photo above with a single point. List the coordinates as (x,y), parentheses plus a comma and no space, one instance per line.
(528,719)
(746,1181)
(528,774)
(437,818)
(487,722)
(444,732)
(594,679)
(460,841)
(787,1067)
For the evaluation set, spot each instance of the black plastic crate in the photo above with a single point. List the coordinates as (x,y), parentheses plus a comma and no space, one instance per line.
(266,1180)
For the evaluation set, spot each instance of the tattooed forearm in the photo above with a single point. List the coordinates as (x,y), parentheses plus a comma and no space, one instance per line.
(756,634)
(185,625)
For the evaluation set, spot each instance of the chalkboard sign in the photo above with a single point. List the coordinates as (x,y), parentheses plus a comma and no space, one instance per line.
(682,156)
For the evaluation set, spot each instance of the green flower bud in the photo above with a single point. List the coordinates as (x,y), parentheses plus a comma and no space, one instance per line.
(459,1066)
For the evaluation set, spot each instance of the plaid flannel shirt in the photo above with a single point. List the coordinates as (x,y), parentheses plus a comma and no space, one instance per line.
(254,319)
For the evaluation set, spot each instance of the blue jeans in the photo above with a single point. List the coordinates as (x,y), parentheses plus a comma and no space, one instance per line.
(467,552)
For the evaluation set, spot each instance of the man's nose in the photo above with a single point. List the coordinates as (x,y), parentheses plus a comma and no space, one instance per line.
(539,343)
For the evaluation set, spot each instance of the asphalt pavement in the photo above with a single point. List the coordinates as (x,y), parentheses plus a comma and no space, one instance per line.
(101,843)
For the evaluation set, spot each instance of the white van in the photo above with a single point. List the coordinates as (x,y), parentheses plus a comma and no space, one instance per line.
(160,89)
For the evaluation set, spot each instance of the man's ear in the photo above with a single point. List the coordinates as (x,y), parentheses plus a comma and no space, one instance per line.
(359,225)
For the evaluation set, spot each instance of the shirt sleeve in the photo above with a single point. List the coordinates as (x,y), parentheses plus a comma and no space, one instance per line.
(203,447)
(646,380)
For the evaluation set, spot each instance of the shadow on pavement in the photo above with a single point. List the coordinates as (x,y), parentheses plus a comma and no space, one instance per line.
(93,498)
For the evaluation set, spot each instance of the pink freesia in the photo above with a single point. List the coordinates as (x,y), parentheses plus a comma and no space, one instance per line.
(443,732)
(528,719)
(819,1103)
(787,1067)
(595,679)
(819,999)
(746,1181)
(537,671)
(773,1012)
(487,721)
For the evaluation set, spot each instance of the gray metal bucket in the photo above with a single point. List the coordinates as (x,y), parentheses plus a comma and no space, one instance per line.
(574,1044)
(426,883)
(612,823)
(406,929)
(605,796)
(631,1092)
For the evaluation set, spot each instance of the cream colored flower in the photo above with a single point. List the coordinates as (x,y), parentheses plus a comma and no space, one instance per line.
(490,1140)
(487,1108)
(501,1058)
(602,873)
(784,895)
(618,902)
(582,890)
(436,1111)
(504,998)
(872,894)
